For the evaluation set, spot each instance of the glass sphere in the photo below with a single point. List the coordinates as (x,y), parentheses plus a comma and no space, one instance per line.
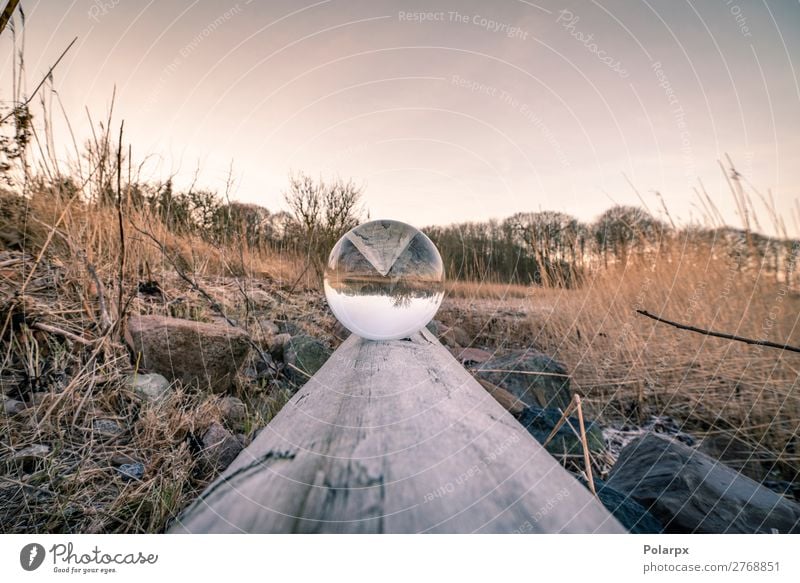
(384,280)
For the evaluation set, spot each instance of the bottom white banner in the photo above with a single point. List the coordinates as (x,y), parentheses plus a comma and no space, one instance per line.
(354,558)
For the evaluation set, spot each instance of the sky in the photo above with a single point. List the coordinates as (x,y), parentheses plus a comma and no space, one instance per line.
(445,111)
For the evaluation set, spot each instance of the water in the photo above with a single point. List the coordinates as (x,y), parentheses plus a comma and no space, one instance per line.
(384,280)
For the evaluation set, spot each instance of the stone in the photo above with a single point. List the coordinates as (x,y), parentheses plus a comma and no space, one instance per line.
(471,356)
(120,459)
(540,423)
(106,428)
(304,356)
(134,471)
(735,452)
(628,511)
(196,353)
(13,407)
(151,387)
(220,447)
(690,492)
(233,412)
(32,452)
(533,377)
(509,402)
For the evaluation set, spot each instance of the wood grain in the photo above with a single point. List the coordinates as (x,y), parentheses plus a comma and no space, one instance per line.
(395,436)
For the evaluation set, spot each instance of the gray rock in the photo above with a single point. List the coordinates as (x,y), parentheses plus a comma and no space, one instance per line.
(540,423)
(32,452)
(13,407)
(208,355)
(120,459)
(148,387)
(106,428)
(133,471)
(304,356)
(630,513)
(220,447)
(688,491)
(233,412)
(735,452)
(549,390)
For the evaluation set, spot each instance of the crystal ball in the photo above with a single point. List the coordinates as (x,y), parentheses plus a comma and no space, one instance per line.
(384,280)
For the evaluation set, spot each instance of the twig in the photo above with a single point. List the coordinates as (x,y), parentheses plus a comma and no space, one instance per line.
(523,372)
(6,15)
(64,333)
(587,460)
(39,86)
(121,228)
(724,335)
(560,422)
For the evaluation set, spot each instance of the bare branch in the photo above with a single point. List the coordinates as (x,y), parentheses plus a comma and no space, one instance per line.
(766,343)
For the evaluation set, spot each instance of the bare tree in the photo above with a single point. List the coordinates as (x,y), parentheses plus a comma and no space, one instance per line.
(323,212)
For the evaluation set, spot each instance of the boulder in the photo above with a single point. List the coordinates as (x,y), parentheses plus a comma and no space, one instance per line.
(148,387)
(233,412)
(208,355)
(690,492)
(220,447)
(304,356)
(509,402)
(517,373)
(735,452)
(540,423)
(628,511)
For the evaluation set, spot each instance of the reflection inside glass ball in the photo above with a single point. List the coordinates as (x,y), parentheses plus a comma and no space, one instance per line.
(384,280)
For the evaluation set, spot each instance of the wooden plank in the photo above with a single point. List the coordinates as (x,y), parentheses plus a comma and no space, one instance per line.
(395,436)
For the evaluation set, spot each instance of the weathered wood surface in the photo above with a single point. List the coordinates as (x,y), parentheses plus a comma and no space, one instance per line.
(395,436)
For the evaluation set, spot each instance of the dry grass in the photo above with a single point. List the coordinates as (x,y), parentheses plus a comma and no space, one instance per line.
(629,367)
(59,357)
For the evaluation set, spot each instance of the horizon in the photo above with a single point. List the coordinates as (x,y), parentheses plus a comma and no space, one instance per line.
(460,113)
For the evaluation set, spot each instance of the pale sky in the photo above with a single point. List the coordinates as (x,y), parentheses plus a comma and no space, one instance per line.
(469,111)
